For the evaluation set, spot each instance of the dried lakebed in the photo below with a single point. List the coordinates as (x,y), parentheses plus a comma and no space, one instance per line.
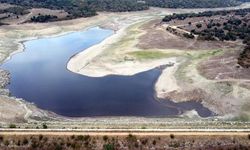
(39,75)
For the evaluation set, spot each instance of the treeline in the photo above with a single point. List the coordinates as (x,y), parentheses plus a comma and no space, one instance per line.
(192,3)
(82,8)
(87,8)
(241,12)
(117,5)
(75,8)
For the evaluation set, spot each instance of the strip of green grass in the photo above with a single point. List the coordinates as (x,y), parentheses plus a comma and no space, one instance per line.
(151,54)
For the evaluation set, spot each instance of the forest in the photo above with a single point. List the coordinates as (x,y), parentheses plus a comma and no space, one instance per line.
(86,8)
(193,3)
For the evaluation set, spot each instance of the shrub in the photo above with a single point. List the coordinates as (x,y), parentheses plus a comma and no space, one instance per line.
(189,36)
(79,137)
(45,126)
(58,147)
(131,138)
(172,136)
(25,141)
(144,141)
(40,137)
(154,142)
(105,138)
(86,137)
(108,147)
(12,126)
(198,25)
(1,138)
(6,143)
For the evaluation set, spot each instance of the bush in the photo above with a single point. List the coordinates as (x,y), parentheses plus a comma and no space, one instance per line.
(198,25)
(80,137)
(154,142)
(189,36)
(40,137)
(12,126)
(144,141)
(1,138)
(45,126)
(25,141)
(108,147)
(6,143)
(131,138)
(172,136)
(105,138)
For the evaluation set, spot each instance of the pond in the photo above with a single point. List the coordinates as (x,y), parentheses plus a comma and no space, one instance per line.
(39,75)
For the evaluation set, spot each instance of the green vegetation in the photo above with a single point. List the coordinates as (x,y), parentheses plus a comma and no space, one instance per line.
(117,5)
(105,138)
(241,12)
(233,28)
(45,126)
(189,36)
(43,18)
(193,3)
(172,136)
(108,147)
(150,54)
(236,27)
(79,8)
(87,8)
(205,54)
(12,126)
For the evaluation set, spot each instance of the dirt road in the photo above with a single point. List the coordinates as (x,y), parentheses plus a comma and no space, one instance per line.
(124,132)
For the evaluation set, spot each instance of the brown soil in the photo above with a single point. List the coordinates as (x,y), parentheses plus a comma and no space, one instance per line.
(224,67)
(125,140)
(157,37)
(14,19)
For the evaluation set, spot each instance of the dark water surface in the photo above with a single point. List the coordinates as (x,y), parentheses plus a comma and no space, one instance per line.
(39,75)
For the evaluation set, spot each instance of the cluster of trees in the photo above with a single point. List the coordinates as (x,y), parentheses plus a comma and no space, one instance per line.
(240,12)
(75,8)
(86,8)
(43,18)
(236,27)
(117,5)
(231,30)
(80,8)
(193,3)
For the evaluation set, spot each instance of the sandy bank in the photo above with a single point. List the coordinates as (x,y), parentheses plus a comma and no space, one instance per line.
(167,82)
